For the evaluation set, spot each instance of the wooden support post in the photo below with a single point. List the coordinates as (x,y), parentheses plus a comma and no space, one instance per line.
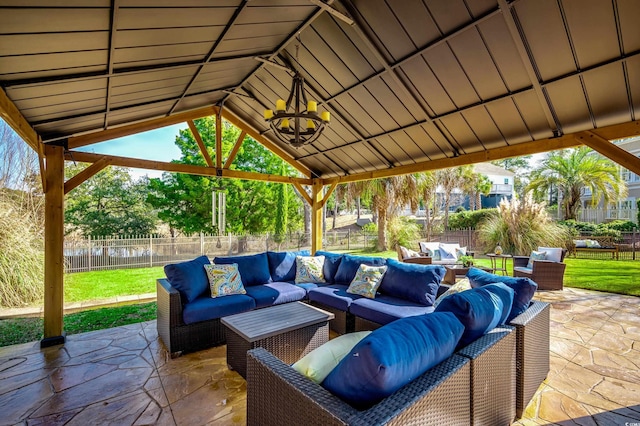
(53,245)
(316,215)
(218,141)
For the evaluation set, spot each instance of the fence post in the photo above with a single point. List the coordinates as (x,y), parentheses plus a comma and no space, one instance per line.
(201,244)
(150,250)
(89,257)
(633,245)
(348,239)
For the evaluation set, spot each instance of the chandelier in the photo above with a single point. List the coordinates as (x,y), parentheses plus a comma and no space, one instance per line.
(303,125)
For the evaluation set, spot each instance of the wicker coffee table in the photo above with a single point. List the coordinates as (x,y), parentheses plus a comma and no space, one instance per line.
(458,271)
(289,331)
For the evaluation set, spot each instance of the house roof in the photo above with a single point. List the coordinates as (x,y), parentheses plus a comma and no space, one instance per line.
(406,82)
(490,169)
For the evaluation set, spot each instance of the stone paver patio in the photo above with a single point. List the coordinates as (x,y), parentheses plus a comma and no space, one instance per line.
(123,375)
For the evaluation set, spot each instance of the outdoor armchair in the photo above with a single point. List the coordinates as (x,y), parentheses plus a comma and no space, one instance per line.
(548,274)
(407,256)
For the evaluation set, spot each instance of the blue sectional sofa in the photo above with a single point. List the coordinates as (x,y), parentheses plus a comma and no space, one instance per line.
(189,318)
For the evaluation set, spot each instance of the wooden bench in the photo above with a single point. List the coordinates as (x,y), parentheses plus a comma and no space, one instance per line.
(607,246)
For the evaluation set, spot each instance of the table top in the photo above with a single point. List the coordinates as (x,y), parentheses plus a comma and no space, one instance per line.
(498,255)
(268,322)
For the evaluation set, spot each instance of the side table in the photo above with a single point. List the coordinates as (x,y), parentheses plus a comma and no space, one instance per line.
(494,262)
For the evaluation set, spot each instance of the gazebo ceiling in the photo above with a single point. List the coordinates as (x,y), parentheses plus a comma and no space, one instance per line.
(407,82)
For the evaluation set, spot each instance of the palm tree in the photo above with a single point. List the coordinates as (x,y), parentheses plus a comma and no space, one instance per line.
(572,171)
(448,180)
(474,185)
(427,185)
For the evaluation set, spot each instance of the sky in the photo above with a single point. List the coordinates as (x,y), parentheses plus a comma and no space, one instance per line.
(157,145)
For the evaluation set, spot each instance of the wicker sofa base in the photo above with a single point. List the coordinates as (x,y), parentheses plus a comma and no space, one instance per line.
(343,322)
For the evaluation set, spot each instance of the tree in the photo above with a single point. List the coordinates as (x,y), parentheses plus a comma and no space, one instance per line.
(449,180)
(572,171)
(184,201)
(521,167)
(109,203)
(282,207)
(427,187)
(474,185)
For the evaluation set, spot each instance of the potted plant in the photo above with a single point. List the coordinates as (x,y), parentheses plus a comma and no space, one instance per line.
(466,261)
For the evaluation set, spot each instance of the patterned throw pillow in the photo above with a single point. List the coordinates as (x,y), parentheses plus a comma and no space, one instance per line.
(536,255)
(461,251)
(460,286)
(367,280)
(407,253)
(224,280)
(449,251)
(309,269)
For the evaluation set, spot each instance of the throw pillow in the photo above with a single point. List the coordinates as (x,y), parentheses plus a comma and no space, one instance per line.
(282,264)
(448,251)
(309,269)
(392,356)
(506,295)
(318,363)
(479,310)
(580,243)
(189,278)
(367,281)
(350,264)
(224,280)
(536,255)
(523,288)
(410,281)
(406,253)
(553,254)
(458,287)
(331,264)
(461,251)
(431,249)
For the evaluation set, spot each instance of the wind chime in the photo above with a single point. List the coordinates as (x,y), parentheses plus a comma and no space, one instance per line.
(219,211)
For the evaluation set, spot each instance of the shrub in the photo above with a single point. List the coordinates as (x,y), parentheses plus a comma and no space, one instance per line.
(403,231)
(621,225)
(520,227)
(581,227)
(21,259)
(470,219)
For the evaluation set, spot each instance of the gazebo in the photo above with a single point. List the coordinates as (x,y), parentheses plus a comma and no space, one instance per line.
(410,86)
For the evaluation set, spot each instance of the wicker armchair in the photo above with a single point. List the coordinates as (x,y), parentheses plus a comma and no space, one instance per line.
(547,274)
(422,260)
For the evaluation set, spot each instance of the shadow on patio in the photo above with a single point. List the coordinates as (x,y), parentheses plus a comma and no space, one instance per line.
(123,375)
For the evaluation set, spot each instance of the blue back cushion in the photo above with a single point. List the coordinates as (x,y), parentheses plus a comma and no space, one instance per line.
(349,266)
(189,278)
(410,281)
(523,288)
(254,269)
(392,356)
(505,294)
(331,264)
(477,309)
(282,264)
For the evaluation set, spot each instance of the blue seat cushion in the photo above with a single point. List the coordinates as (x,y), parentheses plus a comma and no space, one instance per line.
(331,264)
(189,278)
(254,269)
(523,288)
(275,293)
(334,295)
(350,264)
(418,283)
(477,309)
(392,356)
(308,286)
(505,294)
(207,308)
(282,264)
(384,309)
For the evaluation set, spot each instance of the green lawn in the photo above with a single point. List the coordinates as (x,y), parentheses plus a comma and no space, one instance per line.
(82,286)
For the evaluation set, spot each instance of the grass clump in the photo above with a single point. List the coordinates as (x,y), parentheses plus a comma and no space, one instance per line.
(520,227)
(21,258)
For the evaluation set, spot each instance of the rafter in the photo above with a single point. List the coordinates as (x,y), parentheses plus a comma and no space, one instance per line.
(200,142)
(610,150)
(144,126)
(87,157)
(329,192)
(303,193)
(10,113)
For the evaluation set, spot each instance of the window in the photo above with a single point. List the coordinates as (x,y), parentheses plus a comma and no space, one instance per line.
(506,181)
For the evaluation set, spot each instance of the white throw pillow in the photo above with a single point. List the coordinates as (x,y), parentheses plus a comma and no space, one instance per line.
(554,254)
(448,251)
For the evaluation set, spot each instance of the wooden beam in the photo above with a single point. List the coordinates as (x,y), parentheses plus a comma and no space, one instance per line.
(198,138)
(234,151)
(143,126)
(303,193)
(14,118)
(611,151)
(53,245)
(316,216)
(329,192)
(218,140)
(87,157)
(41,163)
(85,174)
(240,124)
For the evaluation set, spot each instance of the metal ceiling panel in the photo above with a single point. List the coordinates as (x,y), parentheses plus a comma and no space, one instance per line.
(29,44)
(35,107)
(173,17)
(543,27)
(633,69)
(452,77)
(53,90)
(460,130)
(166,36)
(628,12)
(126,115)
(484,128)
(53,20)
(266,13)
(449,14)
(52,64)
(72,126)
(427,86)
(177,3)
(416,21)
(592,26)
(569,102)
(508,119)
(423,142)
(607,92)
(529,106)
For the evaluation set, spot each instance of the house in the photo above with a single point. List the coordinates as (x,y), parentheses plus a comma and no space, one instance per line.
(501,184)
(625,209)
